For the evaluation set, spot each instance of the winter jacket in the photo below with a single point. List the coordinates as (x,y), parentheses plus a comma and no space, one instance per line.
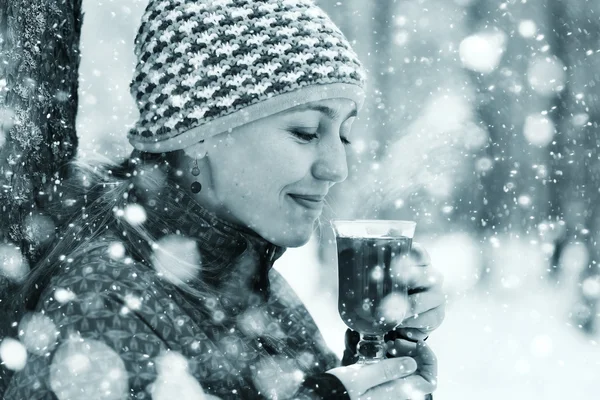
(124,331)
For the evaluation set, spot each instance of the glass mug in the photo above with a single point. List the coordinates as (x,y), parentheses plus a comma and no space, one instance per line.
(373,294)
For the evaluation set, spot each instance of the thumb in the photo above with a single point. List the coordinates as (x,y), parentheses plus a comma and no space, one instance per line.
(357,378)
(388,370)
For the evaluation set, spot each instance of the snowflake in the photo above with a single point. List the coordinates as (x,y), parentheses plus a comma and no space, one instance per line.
(84,368)
(135,214)
(13,354)
(64,295)
(174,380)
(116,250)
(482,52)
(394,307)
(12,263)
(38,333)
(176,258)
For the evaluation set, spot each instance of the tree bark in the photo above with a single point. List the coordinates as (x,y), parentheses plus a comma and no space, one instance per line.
(39,61)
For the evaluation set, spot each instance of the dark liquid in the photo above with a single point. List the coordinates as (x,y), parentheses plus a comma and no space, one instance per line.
(367,281)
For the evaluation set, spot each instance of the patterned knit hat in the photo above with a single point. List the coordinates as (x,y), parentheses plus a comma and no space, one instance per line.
(205,67)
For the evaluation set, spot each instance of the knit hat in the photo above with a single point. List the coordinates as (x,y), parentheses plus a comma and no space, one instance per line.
(205,67)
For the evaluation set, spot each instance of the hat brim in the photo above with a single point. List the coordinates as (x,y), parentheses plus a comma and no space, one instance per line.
(251,113)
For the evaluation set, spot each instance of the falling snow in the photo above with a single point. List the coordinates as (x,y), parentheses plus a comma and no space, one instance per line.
(480,123)
(13,354)
(12,264)
(38,333)
(176,258)
(84,368)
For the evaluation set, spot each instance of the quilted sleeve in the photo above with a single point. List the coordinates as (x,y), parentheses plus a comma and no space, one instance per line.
(87,335)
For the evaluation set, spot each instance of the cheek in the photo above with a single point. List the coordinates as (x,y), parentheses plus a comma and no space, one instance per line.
(252,179)
(247,185)
(270,173)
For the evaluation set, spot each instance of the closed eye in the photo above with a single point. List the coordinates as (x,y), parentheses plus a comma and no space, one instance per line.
(304,136)
(312,136)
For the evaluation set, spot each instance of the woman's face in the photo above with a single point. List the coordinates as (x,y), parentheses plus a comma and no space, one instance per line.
(272,175)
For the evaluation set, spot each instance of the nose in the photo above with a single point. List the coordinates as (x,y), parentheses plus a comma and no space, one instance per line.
(331,164)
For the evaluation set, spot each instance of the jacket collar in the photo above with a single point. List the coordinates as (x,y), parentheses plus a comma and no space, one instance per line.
(222,243)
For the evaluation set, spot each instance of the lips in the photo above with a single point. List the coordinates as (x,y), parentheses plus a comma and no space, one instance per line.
(312,197)
(312,202)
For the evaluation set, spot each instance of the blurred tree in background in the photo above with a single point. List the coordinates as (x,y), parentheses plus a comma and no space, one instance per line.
(482,117)
(575,153)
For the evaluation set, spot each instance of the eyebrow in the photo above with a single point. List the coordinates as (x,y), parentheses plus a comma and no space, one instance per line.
(328,111)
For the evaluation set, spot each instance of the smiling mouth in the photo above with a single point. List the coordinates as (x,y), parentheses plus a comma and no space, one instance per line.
(307,202)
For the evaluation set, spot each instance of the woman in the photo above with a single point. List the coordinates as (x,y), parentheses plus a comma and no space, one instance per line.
(162,285)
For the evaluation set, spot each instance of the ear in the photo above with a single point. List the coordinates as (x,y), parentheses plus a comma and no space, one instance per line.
(196,151)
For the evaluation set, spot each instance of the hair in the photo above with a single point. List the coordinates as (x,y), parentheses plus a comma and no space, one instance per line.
(87,207)
(99,192)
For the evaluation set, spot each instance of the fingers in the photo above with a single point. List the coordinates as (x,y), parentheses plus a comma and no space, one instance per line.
(426,321)
(424,381)
(401,347)
(413,334)
(411,387)
(416,272)
(358,379)
(420,278)
(418,255)
(427,362)
(420,352)
(386,371)
(351,339)
(422,302)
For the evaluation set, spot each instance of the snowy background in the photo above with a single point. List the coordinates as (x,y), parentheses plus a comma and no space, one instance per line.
(480,125)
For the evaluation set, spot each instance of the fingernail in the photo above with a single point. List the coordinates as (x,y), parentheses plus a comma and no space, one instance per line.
(408,365)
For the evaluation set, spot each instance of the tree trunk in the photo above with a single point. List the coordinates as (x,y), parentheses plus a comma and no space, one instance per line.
(576,165)
(514,195)
(39,61)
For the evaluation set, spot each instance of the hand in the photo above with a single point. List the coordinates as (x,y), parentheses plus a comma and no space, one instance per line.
(399,378)
(426,299)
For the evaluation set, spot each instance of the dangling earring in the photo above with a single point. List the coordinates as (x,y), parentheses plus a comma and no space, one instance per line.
(196,186)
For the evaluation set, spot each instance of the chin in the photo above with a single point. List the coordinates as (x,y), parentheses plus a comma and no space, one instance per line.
(296,242)
(293,239)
